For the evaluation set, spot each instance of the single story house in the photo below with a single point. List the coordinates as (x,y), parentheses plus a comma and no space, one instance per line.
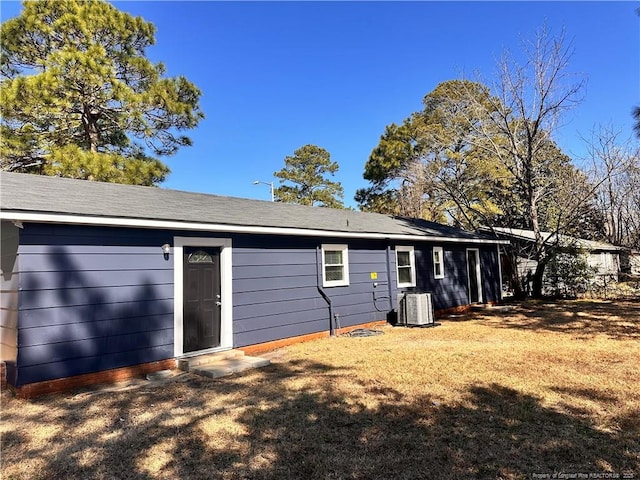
(101,281)
(630,260)
(603,257)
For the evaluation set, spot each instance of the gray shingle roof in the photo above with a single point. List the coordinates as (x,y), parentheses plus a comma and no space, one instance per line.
(23,193)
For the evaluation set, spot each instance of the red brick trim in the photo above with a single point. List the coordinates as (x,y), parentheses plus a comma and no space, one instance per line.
(106,376)
(460,309)
(3,376)
(452,311)
(118,374)
(275,344)
(377,323)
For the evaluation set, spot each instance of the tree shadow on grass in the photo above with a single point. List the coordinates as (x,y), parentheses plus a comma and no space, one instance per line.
(113,436)
(496,432)
(97,432)
(296,421)
(619,320)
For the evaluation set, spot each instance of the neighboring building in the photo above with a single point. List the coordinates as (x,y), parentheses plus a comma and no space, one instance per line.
(100,277)
(630,260)
(603,257)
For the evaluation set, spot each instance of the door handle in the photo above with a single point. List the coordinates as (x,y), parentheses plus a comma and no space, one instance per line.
(219,304)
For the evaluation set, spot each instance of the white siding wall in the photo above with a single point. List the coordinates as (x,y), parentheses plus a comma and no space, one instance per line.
(607,263)
(9,291)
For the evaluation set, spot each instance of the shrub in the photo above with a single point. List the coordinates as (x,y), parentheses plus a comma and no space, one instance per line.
(568,273)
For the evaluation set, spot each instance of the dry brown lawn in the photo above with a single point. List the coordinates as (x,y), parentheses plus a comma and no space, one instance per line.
(543,389)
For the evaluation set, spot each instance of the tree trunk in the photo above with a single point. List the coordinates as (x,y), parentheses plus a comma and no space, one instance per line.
(512,270)
(91,128)
(536,290)
(539,252)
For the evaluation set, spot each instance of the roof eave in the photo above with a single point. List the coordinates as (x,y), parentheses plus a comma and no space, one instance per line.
(47,217)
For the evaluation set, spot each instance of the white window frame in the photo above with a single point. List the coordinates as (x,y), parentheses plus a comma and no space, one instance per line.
(345,265)
(441,262)
(412,265)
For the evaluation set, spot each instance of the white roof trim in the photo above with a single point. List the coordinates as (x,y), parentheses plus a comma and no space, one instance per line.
(212,227)
(548,238)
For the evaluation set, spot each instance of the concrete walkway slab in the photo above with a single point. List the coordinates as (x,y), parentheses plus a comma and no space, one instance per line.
(221,364)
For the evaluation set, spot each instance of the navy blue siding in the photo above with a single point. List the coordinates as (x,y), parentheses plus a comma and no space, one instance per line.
(453,289)
(96,298)
(450,291)
(491,281)
(92,299)
(275,287)
(354,304)
(88,363)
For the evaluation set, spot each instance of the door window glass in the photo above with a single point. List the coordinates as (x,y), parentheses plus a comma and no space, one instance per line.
(200,256)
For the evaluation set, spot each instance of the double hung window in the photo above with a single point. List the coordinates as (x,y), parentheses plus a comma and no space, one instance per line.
(438,262)
(405,266)
(335,265)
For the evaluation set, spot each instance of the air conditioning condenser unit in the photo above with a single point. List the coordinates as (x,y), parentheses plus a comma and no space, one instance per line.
(415,309)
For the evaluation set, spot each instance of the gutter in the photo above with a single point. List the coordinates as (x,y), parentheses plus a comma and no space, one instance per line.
(326,298)
(389,277)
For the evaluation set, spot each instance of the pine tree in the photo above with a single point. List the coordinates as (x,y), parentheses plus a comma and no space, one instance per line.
(307,170)
(80,99)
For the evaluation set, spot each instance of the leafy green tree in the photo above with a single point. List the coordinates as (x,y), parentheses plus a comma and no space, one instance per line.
(307,170)
(384,167)
(564,202)
(487,154)
(430,165)
(80,99)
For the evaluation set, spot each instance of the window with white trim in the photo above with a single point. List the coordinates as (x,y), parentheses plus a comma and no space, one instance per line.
(438,262)
(335,265)
(405,266)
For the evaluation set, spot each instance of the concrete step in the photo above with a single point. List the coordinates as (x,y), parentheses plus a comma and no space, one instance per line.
(187,364)
(229,366)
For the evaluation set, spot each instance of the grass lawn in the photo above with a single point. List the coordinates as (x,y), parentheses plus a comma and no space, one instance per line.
(542,389)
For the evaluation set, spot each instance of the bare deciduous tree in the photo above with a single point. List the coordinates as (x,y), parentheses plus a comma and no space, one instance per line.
(616,172)
(526,105)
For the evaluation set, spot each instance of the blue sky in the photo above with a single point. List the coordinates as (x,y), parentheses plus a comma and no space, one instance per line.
(276,76)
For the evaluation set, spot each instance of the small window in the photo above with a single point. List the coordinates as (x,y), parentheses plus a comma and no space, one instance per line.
(438,262)
(200,256)
(405,267)
(335,265)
